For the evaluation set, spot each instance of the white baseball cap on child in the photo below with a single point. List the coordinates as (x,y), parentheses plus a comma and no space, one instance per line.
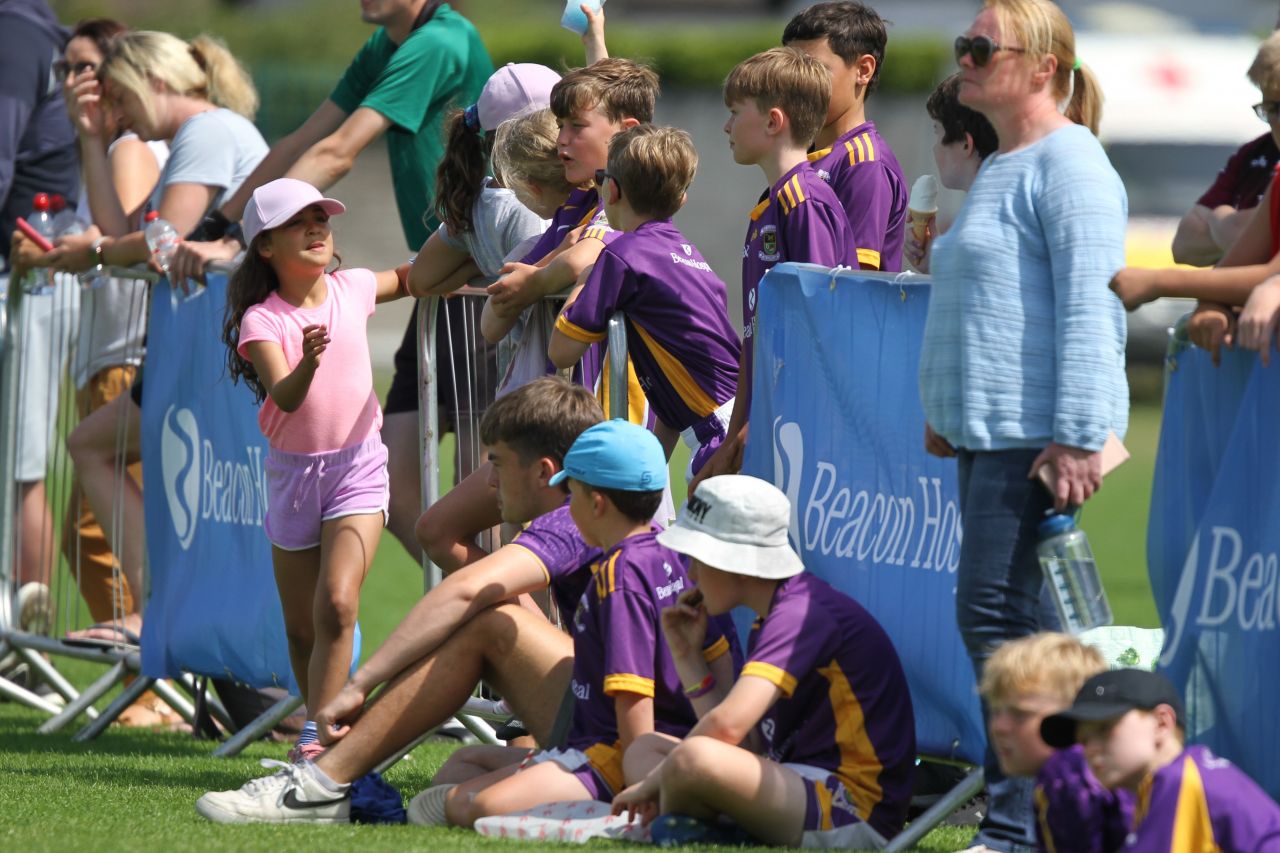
(273,203)
(513,89)
(736,524)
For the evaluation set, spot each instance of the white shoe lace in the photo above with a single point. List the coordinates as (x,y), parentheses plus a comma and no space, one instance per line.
(281,779)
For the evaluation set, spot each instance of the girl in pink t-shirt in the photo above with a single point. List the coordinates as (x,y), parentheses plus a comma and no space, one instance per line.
(297,337)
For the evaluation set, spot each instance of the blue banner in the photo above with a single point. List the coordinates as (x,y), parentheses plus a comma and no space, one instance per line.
(213,608)
(836,423)
(1212,549)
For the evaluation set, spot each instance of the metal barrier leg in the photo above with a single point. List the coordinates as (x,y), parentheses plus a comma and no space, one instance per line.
(48,672)
(216,709)
(262,724)
(84,702)
(175,700)
(938,812)
(117,707)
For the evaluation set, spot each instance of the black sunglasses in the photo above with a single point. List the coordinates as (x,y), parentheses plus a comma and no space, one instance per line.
(981,48)
(602,175)
(1268,111)
(64,69)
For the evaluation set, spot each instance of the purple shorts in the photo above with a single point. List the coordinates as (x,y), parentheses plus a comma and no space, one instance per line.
(308,489)
(827,804)
(599,768)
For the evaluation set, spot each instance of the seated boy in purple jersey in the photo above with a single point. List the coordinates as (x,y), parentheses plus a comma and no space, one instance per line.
(777,102)
(590,104)
(849,39)
(1023,682)
(461,631)
(679,336)
(818,734)
(1131,725)
(624,682)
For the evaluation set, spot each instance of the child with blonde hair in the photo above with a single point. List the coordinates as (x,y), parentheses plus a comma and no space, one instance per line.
(1025,681)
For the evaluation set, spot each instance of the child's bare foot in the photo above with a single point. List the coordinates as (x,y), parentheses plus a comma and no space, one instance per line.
(1135,286)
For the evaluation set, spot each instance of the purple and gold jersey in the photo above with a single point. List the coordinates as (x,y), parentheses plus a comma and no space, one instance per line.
(799,219)
(1201,802)
(1074,812)
(582,207)
(554,541)
(679,334)
(618,645)
(845,706)
(868,181)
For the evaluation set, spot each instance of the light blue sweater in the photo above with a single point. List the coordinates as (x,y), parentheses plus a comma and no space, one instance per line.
(1024,343)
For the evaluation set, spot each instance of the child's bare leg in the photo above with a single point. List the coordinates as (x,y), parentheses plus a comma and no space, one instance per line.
(547,782)
(296,575)
(472,762)
(347,546)
(448,529)
(704,777)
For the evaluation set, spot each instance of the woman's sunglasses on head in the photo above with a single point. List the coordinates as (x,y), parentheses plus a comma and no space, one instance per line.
(981,49)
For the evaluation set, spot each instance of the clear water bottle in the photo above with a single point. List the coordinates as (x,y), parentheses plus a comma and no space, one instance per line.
(1072,575)
(162,239)
(40,280)
(65,220)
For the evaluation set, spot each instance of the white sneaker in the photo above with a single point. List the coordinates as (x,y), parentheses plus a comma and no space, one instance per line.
(291,795)
(35,609)
(427,809)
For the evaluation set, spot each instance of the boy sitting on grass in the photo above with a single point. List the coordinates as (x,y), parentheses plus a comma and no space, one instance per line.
(624,682)
(1025,681)
(815,743)
(679,335)
(1131,725)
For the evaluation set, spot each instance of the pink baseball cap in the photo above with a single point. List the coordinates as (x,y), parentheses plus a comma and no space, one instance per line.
(275,202)
(513,89)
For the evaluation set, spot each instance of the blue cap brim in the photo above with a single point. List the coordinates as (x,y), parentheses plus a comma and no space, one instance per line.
(558,477)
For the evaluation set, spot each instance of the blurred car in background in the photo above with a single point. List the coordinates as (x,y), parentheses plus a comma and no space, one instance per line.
(1177,106)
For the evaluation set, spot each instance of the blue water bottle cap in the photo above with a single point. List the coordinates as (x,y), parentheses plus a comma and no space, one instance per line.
(1055,524)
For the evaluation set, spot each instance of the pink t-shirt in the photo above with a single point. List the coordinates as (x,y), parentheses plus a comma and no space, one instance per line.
(340,409)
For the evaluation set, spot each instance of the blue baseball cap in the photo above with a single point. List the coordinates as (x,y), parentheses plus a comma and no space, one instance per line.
(616,455)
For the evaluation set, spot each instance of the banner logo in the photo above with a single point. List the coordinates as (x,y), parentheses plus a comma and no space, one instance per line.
(180,470)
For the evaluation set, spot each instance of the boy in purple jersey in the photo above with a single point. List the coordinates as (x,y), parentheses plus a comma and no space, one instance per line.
(817,735)
(1024,681)
(461,631)
(1131,725)
(679,335)
(777,101)
(849,39)
(623,684)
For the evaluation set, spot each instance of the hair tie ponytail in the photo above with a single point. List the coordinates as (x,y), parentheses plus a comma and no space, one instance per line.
(198,55)
(1075,66)
(471,118)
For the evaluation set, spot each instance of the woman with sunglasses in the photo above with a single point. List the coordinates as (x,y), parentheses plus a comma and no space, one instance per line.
(1023,358)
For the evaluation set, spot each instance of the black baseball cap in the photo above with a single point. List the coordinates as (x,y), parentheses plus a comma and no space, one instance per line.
(1109,695)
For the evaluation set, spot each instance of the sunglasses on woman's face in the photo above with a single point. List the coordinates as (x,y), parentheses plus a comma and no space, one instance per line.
(64,69)
(981,48)
(1268,111)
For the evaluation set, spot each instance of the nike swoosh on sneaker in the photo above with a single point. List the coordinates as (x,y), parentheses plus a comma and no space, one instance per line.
(290,801)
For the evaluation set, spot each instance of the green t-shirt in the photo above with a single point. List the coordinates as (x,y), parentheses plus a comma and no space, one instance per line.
(441,65)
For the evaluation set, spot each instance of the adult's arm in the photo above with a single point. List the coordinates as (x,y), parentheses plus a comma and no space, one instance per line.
(1193,242)
(329,160)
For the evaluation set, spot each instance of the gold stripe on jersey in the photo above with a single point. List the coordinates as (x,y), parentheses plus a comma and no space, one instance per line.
(637,403)
(869,257)
(716,650)
(1192,826)
(603,573)
(775,675)
(860,767)
(591,214)
(822,796)
(596,232)
(1042,817)
(626,682)
(815,156)
(569,329)
(861,149)
(759,209)
(791,195)
(871,148)
(690,392)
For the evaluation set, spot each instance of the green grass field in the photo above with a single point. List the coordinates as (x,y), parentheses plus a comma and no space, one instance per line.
(135,789)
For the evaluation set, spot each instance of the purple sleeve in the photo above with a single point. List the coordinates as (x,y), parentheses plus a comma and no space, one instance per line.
(1074,811)
(867,197)
(548,241)
(816,234)
(587,319)
(630,622)
(554,540)
(788,645)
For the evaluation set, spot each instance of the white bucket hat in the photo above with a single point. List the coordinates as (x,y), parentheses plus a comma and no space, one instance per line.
(736,524)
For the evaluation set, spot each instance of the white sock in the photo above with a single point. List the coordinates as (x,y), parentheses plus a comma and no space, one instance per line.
(427,809)
(325,781)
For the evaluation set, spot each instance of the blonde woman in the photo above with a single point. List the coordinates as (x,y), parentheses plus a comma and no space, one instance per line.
(1023,358)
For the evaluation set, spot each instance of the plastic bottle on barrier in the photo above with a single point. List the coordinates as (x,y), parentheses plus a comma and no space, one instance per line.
(162,239)
(40,280)
(65,220)
(1072,575)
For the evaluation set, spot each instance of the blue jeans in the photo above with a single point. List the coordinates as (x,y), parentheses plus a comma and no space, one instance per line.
(1000,596)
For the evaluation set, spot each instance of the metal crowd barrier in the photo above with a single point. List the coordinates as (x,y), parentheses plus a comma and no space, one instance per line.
(23,351)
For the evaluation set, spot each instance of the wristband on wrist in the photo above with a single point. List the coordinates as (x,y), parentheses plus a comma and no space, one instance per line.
(702,688)
(98,255)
